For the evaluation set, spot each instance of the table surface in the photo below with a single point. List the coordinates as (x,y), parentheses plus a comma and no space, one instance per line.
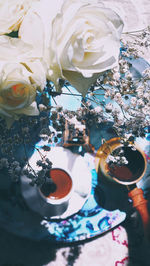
(114,247)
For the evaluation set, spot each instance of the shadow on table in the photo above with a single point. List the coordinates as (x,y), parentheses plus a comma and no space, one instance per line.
(18,251)
(138,244)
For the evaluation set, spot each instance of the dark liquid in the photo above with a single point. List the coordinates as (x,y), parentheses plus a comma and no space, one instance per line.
(63,183)
(131,171)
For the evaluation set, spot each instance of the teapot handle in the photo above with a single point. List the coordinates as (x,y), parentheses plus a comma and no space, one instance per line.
(141,204)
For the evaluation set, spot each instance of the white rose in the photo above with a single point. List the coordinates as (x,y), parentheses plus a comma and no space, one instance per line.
(85,41)
(82,36)
(14,50)
(12,13)
(18,85)
(36,26)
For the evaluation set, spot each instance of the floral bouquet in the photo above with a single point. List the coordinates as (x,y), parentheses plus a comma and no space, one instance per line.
(47,46)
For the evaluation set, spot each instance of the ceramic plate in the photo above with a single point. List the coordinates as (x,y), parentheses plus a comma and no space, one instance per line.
(74,164)
(90,221)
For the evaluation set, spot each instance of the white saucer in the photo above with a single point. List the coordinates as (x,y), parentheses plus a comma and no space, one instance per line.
(81,175)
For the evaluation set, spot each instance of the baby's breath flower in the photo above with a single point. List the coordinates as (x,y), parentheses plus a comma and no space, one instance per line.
(140,102)
(118,98)
(42,107)
(116,75)
(107,93)
(128,75)
(133,101)
(110,158)
(109,107)
(98,109)
(146,110)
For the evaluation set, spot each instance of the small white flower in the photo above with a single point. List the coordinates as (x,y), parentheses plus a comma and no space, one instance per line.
(119,122)
(107,93)
(133,148)
(124,160)
(146,110)
(110,158)
(116,112)
(140,102)
(124,69)
(133,101)
(140,91)
(77,124)
(146,95)
(116,75)
(109,107)
(118,98)
(128,75)
(42,107)
(126,107)
(98,109)
(146,72)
